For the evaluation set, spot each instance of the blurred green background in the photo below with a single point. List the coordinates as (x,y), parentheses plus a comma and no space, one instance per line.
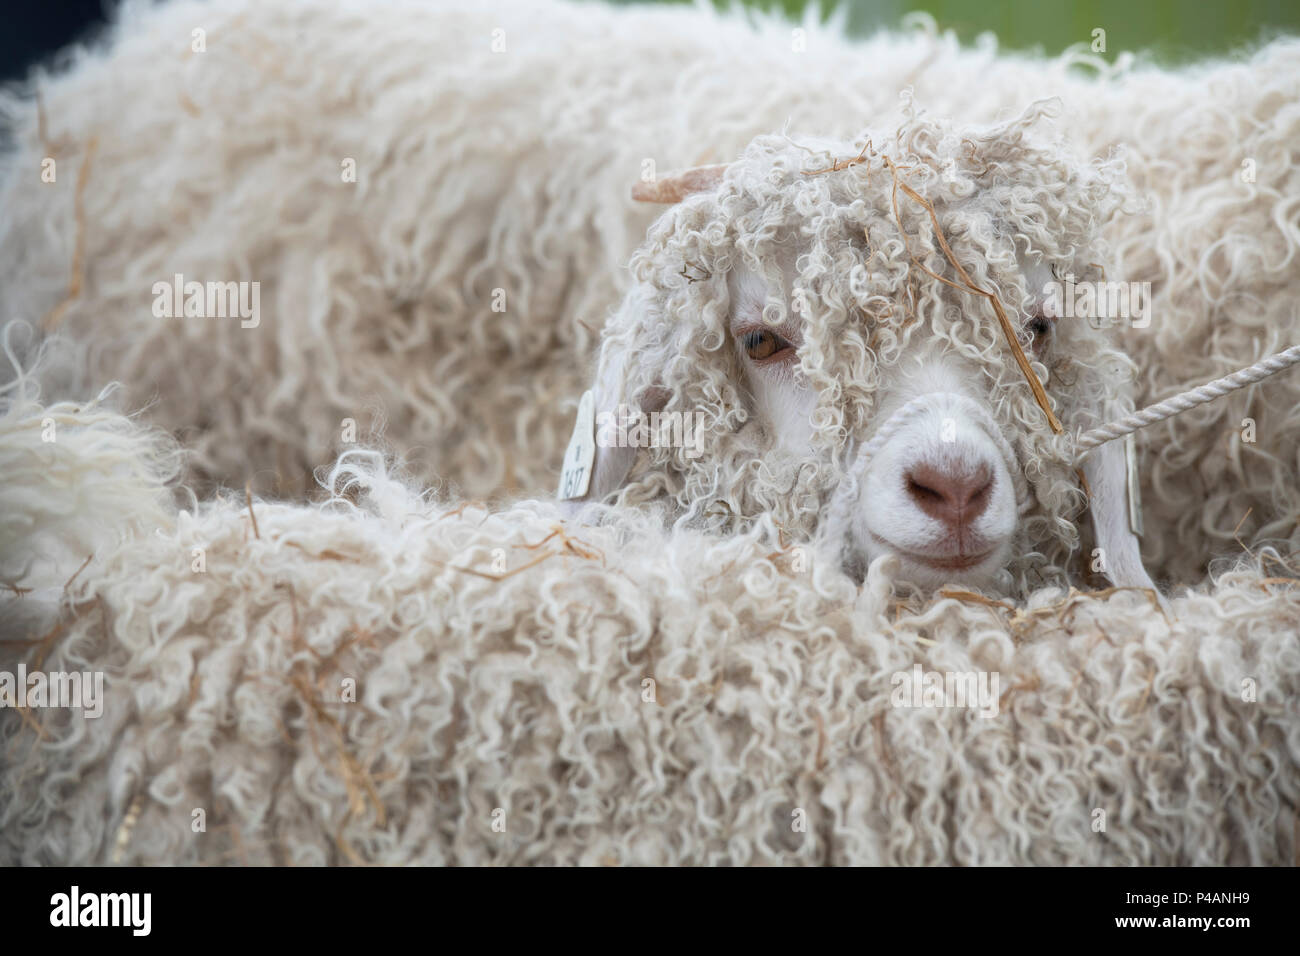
(1171,32)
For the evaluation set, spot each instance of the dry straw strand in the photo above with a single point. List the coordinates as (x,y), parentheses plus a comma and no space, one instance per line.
(1040,395)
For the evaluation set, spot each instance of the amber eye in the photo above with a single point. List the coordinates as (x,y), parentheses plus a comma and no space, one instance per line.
(763,344)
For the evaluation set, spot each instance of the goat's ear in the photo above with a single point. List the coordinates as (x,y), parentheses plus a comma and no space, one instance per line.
(676,186)
(596,463)
(1107,473)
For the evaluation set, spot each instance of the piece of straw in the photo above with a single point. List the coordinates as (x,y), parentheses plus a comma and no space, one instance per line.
(1040,395)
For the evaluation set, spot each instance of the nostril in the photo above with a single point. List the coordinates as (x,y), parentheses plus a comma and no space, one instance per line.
(930,490)
(978,491)
(918,490)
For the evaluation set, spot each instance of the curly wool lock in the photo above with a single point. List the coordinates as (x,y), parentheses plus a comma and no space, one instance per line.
(868,297)
(504,717)
(378,294)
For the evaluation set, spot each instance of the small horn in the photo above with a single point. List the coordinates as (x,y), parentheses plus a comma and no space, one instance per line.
(678,185)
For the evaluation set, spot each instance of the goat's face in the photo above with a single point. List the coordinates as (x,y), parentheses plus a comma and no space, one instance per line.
(944,491)
(939,492)
(815,321)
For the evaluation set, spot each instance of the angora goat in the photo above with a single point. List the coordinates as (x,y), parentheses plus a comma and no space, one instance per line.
(798,301)
(384,679)
(493,146)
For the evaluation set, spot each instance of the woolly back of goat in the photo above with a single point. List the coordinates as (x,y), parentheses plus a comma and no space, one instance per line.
(481,172)
(529,693)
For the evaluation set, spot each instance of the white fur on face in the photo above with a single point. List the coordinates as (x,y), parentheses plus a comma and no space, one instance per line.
(783,402)
(944,441)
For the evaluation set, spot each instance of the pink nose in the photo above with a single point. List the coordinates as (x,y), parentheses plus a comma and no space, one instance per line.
(956,498)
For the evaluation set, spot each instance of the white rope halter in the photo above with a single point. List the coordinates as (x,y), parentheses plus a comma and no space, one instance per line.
(1188,400)
(838,514)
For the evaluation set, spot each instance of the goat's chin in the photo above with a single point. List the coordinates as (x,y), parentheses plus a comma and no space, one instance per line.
(978,570)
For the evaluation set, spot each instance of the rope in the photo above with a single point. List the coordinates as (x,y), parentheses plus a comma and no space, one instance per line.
(838,514)
(1189,399)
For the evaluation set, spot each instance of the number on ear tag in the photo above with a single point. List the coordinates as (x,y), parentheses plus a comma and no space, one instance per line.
(581,453)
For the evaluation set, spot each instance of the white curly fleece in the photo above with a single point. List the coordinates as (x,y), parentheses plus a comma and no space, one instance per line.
(511,720)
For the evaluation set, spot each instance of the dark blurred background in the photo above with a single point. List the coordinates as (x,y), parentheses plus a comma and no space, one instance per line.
(1174,31)
(32,32)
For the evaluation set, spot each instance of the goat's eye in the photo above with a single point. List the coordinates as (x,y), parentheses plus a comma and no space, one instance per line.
(763,344)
